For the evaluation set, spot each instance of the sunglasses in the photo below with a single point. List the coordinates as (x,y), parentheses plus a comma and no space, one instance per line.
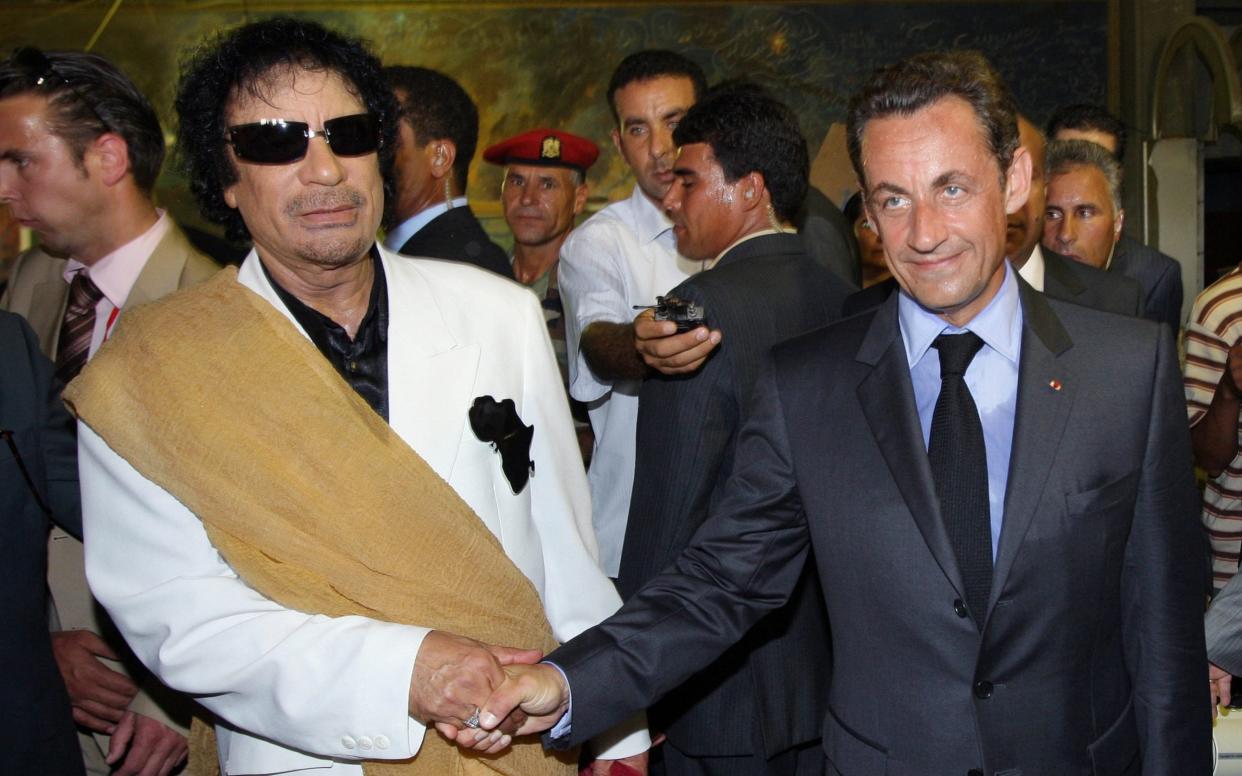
(276,141)
(40,70)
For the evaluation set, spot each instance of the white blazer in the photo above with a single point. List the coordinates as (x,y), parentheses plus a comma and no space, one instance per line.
(300,691)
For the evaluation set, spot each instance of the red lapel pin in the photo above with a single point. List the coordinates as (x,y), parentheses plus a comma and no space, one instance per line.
(1054,384)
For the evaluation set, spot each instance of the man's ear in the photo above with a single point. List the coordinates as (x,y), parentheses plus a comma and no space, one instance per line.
(1118,222)
(580,198)
(109,155)
(440,156)
(753,190)
(1018,181)
(615,134)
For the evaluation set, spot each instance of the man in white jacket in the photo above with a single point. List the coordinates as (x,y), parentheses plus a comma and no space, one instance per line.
(302,168)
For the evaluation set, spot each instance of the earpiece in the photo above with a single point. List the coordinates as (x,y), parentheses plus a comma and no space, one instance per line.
(750,193)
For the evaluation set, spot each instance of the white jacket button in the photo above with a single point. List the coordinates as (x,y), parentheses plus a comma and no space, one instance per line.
(364,742)
(381,742)
(348,742)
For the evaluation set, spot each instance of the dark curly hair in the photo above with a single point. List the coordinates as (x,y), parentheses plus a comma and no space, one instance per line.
(438,108)
(653,63)
(237,62)
(749,130)
(1084,116)
(88,97)
(907,87)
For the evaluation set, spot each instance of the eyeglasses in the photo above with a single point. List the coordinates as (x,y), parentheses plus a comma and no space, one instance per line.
(276,141)
(39,68)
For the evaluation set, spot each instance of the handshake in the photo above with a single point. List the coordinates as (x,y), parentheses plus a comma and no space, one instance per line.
(480,696)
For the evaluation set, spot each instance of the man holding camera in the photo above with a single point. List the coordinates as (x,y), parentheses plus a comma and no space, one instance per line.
(741,173)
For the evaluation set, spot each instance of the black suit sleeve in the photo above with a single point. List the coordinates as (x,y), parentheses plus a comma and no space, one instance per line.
(49,447)
(744,562)
(1162,591)
(1164,304)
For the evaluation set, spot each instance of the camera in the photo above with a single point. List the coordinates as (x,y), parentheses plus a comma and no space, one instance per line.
(687,315)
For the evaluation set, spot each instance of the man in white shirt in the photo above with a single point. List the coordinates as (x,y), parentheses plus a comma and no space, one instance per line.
(80,150)
(622,257)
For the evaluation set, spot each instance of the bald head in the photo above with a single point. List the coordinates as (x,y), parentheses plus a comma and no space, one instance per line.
(1026,226)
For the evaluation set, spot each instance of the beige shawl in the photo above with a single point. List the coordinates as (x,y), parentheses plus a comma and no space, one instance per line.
(307,493)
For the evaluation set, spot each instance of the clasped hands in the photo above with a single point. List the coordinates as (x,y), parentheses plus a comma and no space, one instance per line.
(514,695)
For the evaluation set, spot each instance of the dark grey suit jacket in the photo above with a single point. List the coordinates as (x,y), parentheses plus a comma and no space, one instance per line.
(36,730)
(1223,623)
(1159,275)
(457,235)
(762,292)
(1064,279)
(828,237)
(1090,658)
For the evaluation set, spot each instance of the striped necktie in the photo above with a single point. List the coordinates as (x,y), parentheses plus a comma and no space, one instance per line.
(77,328)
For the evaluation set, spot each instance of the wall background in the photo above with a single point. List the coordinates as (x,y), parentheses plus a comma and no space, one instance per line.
(529,64)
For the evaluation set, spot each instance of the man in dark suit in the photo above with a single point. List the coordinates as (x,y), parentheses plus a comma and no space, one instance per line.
(1159,275)
(741,173)
(1045,270)
(38,484)
(437,135)
(1008,546)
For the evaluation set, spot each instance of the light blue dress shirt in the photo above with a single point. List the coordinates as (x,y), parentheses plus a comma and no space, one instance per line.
(992,377)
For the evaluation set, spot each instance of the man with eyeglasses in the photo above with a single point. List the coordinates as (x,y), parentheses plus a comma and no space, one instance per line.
(80,151)
(349,463)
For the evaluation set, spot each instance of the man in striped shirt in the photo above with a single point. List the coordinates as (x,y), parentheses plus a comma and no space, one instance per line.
(1213,380)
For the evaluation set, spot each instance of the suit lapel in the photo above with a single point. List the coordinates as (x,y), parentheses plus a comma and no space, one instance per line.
(887,399)
(1046,391)
(45,317)
(431,371)
(1059,281)
(161,275)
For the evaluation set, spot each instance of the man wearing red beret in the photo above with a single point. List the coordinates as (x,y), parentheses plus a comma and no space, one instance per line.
(543,191)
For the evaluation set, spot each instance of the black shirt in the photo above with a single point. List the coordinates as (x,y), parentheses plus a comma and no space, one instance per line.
(362,361)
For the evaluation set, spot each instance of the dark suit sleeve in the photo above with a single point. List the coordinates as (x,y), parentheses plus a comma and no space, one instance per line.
(1164,303)
(1162,591)
(49,448)
(744,561)
(1223,626)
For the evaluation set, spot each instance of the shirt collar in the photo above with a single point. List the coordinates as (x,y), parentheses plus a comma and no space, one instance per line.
(411,226)
(761,233)
(116,273)
(999,324)
(650,220)
(1033,270)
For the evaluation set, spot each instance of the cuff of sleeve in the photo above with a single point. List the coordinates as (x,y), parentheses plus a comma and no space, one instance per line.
(564,725)
(390,655)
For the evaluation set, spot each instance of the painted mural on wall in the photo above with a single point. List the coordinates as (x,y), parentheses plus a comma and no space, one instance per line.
(528,64)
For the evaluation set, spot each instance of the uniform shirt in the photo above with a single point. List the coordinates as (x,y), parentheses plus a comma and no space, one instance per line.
(1213,327)
(624,255)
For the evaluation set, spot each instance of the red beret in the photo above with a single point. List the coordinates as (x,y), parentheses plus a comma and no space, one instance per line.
(550,147)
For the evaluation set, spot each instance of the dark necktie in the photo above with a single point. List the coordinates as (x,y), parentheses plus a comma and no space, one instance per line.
(77,328)
(960,469)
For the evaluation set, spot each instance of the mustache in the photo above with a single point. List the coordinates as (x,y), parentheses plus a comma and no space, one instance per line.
(324,200)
